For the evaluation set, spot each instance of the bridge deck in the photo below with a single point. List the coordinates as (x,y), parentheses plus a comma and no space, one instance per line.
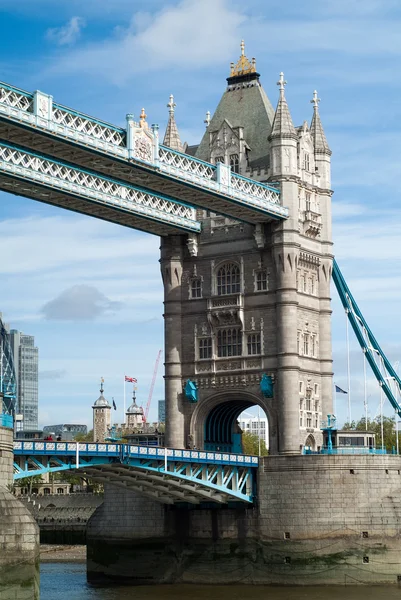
(92,144)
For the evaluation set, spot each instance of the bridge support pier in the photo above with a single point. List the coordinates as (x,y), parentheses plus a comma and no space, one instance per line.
(317,520)
(19,533)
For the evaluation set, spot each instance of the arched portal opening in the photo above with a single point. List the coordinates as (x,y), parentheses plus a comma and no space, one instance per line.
(310,444)
(232,423)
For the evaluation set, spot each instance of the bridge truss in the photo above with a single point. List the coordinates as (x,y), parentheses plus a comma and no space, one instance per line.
(167,475)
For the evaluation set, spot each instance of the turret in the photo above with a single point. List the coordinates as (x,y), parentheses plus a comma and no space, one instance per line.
(283,138)
(172,137)
(101,416)
(134,415)
(321,147)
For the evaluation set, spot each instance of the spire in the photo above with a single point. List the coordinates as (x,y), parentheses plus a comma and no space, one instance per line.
(282,125)
(172,137)
(316,128)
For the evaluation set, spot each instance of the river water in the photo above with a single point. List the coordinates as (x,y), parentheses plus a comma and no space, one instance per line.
(67,581)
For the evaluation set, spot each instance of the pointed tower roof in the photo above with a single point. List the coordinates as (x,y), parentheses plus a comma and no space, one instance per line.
(244,104)
(316,128)
(283,127)
(172,137)
(101,402)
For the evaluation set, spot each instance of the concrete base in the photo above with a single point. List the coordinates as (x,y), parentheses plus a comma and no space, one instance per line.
(318,520)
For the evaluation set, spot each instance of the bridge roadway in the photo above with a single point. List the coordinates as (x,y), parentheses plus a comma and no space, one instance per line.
(167,475)
(134,155)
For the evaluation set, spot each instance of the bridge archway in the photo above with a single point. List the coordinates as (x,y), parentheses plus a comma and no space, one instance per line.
(214,424)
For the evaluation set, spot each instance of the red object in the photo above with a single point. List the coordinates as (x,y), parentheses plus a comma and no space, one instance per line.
(131,379)
(152,385)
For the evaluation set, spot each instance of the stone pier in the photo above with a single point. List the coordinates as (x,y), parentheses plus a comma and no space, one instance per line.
(316,520)
(19,534)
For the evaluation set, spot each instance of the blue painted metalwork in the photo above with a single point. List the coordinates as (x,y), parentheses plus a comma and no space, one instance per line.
(382,369)
(6,421)
(192,474)
(221,423)
(138,146)
(329,426)
(191,391)
(266,386)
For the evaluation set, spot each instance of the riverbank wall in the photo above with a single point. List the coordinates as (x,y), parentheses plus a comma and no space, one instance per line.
(316,520)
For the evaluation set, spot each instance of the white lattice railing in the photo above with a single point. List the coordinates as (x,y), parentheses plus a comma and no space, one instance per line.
(64,177)
(89,126)
(183,162)
(255,189)
(16,98)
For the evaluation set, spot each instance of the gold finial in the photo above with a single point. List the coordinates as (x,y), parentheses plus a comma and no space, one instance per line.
(244,65)
(142,119)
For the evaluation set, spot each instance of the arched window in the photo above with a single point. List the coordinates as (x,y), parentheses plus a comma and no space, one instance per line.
(196,288)
(234,163)
(229,342)
(60,490)
(46,491)
(228,279)
(218,159)
(254,345)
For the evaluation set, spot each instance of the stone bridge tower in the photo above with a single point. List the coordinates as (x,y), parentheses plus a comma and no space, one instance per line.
(247,303)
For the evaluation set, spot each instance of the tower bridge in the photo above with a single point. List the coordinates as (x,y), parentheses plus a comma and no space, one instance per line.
(246,262)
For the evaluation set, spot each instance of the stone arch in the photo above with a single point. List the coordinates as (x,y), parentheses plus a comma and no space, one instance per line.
(310,444)
(213,420)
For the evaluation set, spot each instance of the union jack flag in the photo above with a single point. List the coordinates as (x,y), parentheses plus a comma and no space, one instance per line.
(131,379)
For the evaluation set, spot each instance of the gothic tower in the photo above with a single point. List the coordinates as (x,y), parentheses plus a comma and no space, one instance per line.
(245,305)
(134,415)
(101,417)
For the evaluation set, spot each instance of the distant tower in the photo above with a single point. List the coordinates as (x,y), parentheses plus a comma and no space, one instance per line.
(101,416)
(134,414)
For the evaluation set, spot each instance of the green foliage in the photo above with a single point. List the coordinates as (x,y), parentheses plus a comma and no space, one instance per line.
(81,437)
(250,445)
(389,434)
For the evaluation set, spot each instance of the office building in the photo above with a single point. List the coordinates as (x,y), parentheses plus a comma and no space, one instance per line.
(26,361)
(255,426)
(162,411)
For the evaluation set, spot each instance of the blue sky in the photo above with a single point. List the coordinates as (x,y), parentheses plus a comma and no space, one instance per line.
(89,291)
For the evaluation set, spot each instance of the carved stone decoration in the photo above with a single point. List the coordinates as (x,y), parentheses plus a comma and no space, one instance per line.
(192,243)
(259,236)
(142,147)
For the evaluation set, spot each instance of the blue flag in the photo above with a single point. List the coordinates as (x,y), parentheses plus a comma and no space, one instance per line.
(340,390)
(114,405)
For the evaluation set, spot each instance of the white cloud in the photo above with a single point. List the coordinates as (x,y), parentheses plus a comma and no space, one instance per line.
(79,303)
(68,34)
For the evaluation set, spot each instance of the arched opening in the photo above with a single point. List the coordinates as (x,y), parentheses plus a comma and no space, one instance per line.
(233,422)
(310,444)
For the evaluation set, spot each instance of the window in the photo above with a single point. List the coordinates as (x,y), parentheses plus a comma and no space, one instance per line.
(301,404)
(229,342)
(306,162)
(234,163)
(306,344)
(317,405)
(60,490)
(299,351)
(228,280)
(316,421)
(205,348)
(196,288)
(260,281)
(254,346)
(301,387)
(309,419)
(308,405)
(308,195)
(313,347)
(316,389)
(301,421)
(219,159)
(312,286)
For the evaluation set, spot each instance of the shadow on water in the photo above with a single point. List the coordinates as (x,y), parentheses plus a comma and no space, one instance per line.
(68,581)
(20,583)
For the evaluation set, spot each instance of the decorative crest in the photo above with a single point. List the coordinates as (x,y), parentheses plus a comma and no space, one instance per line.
(281,83)
(315,100)
(171,105)
(207,119)
(142,119)
(244,65)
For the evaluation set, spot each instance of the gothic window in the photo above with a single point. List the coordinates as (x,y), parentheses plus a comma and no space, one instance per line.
(196,288)
(301,387)
(300,421)
(304,284)
(316,389)
(229,342)
(316,421)
(301,404)
(254,345)
(308,404)
(306,344)
(228,279)
(317,405)
(312,286)
(299,351)
(308,194)
(313,345)
(309,419)
(218,159)
(234,163)
(261,281)
(306,161)
(205,348)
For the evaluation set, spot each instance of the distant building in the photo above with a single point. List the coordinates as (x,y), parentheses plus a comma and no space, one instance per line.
(134,417)
(8,384)
(26,361)
(101,417)
(67,431)
(162,411)
(256,426)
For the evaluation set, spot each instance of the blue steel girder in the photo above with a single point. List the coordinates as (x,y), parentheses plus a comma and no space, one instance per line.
(56,182)
(165,474)
(384,372)
(133,155)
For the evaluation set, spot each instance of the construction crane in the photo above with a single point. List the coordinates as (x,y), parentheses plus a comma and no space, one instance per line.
(152,385)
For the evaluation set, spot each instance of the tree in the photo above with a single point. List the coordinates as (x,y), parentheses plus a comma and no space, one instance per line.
(374,426)
(250,445)
(28,482)
(84,437)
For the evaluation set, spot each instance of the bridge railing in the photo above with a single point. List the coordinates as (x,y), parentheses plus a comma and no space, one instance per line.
(51,448)
(40,111)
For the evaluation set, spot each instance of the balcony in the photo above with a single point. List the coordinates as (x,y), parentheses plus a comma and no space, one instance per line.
(312,223)
(226,310)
